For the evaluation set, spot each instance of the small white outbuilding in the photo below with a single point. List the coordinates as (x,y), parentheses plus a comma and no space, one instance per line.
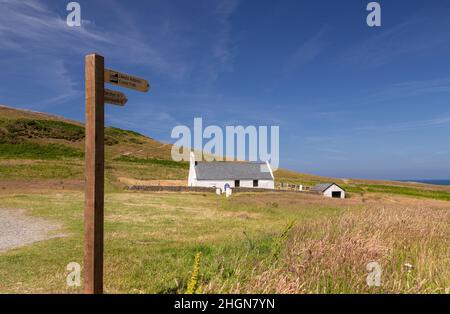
(329,190)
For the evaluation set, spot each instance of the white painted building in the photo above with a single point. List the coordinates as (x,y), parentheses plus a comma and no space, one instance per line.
(329,190)
(235,174)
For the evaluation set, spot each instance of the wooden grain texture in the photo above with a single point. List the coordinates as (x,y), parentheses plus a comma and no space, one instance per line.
(94,173)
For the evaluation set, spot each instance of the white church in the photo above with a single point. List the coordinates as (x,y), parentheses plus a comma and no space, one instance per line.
(220,174)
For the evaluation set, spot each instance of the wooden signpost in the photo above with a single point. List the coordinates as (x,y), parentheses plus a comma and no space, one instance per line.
(115,98)
(95,97)
(126,80)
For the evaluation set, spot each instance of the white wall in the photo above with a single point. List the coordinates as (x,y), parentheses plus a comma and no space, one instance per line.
(334,188)
(266,184)
(246,183)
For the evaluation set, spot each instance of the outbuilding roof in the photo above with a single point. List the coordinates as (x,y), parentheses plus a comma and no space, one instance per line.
(322,187)
(222,170)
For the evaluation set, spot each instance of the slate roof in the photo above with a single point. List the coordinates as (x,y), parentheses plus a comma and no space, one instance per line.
(221,170)
(322,187)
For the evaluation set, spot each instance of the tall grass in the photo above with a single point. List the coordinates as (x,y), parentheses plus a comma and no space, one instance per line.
(330,256)
(152,240)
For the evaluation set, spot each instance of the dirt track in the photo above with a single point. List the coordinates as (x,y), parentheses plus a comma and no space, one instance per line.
(17,229)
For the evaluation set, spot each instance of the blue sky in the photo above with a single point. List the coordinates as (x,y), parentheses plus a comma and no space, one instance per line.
(350,100)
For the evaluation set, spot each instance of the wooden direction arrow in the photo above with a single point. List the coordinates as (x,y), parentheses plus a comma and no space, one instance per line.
(115,98)
(126,80)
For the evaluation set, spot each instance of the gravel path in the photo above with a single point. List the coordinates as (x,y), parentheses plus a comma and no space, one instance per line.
(17,229)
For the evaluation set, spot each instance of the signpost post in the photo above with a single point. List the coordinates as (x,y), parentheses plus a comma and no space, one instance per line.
(94,173)
(95,97)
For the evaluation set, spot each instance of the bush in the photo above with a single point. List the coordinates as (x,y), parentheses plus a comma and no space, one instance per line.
(8,138)
(45,129)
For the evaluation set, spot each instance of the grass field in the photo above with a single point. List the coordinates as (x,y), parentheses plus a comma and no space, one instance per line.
(400,190)
(264,242)
(151,240)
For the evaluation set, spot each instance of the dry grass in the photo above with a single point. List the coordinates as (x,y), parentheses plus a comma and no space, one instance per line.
(330,256)
(151,240)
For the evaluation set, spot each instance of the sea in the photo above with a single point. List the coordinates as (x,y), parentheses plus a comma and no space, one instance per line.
(435,182)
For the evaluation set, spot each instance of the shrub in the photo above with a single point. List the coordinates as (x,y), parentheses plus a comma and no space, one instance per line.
(45,129)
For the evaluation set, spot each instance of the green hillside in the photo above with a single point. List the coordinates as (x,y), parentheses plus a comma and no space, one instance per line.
(37,147)
(48,151)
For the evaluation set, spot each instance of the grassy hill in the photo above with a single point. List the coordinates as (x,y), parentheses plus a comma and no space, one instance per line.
(47,150)
(50,149)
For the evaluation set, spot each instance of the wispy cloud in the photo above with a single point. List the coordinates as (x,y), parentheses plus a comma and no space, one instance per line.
(181,49)
(330,150)
(408,126)
(151,121)
(39,44)
(319,139)
(411,89)
(33,34)
(416,35)
(31,26)
(25,25)
(57,74)
(306,53)
(223,50)
(324,143)
(364,100)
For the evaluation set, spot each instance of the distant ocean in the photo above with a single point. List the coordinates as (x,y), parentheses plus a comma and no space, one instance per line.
(435,182)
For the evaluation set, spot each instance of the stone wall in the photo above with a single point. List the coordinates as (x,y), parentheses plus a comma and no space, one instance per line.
(196,189)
